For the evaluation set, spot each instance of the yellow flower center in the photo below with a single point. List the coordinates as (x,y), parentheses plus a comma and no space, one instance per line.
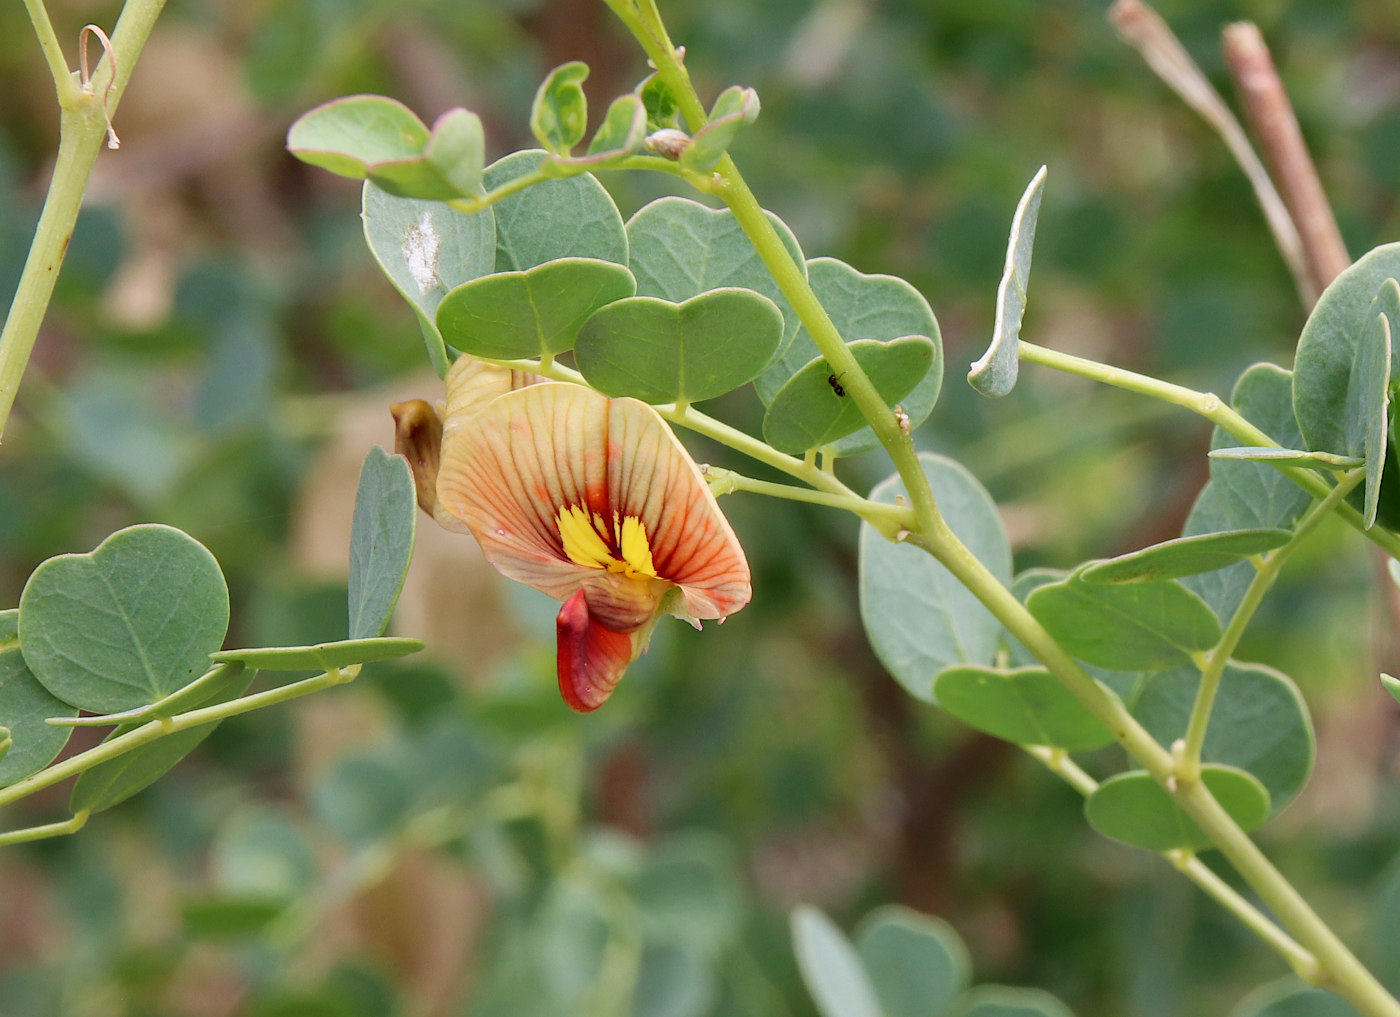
(588,542)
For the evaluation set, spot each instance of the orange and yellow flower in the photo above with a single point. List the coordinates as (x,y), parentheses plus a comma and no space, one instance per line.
(590,500)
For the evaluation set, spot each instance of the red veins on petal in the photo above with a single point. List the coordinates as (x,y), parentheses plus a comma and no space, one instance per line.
(592,657)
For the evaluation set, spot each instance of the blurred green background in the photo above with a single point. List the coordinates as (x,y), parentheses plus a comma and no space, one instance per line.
(443,836)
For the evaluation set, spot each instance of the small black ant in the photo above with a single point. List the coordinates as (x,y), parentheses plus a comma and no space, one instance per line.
(834,380)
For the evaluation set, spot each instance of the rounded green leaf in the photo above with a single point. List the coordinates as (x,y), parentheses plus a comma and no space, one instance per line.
(450,167)
(1339,369)
(861,306)
(571,217)
(919,619)
(917,963)
(622,133)
(559,116)
(381,540)
(1123,684)
(1185,556)
(350,134)
(1027,706)
(427,249)
(813,410)
(660,103)
(457,149)
(995,373)
(1128,627)
(661,352)
(24,706)
(1330,345)
(321,656)
(681,249)
(830,967)
(1133,808)
(1258,723)
(116,780)
(518,315)
(734,110)
(1004,1001)
(1290,997)
(127,624)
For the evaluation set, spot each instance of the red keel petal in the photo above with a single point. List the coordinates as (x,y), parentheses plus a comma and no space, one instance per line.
(592,658)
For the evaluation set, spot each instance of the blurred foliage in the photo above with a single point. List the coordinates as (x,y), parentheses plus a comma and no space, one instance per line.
(443,837)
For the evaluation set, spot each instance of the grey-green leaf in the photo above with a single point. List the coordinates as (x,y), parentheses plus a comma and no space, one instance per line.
(813,410)
(995,373)
(1133,808)
(518,315)
(681,249)
(24,706)
(1391,685)
(114,781)
(1027,706)
(127,624)
(427,249)
(660,352)
(322,656)
(571,217)
(917,963)
(348,135)
(457,150)
(920,619)
(830,967)
(559,116)
(1185,556)
(1329,346)
(381,541)
(1129,627)
(1367,400)
(451,165)
(1259,723)
(863,307)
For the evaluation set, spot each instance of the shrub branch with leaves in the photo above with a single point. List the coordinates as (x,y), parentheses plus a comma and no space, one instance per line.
(523,273)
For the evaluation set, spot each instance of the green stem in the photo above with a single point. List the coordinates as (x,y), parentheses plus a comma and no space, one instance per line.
(65,87)
(59,829)
(1300,960)
(877,513)
(1337,969)
(1218,412)
(1267,570)
(1058,762)
(83,123)
(162,726)
(645,23)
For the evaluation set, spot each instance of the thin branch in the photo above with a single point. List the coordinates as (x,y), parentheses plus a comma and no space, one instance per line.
(1271,115)
(1143,29)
